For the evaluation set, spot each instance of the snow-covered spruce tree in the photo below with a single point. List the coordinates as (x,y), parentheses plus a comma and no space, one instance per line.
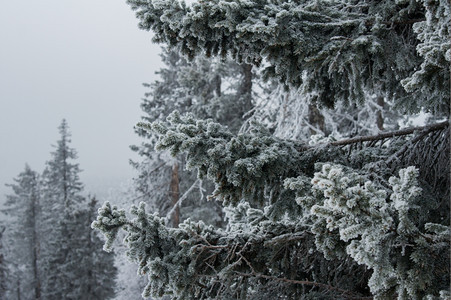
(205,87)
(70,266)
(397,49)
(23,209)
(60,179)
(286,248)
(60,200)
(366,217)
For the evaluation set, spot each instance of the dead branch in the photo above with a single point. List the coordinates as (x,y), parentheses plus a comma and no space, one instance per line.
(180,200)
(423,129)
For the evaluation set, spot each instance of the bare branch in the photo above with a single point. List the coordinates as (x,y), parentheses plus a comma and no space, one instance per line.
(182,198)
(423,129)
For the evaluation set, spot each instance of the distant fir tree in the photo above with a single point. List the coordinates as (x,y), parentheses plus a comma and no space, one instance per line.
(366,217)
(61,199)
(60,179)
(72,269)
(23,210)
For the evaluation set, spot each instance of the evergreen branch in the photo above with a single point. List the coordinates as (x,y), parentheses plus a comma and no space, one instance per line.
(406,147)
(311,45)
(404,22)
(288,238)
(302,282)
(423,129)
(350,295)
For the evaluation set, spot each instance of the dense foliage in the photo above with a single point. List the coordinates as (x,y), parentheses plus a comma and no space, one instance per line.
(345,47)
(318,218)
(207,88)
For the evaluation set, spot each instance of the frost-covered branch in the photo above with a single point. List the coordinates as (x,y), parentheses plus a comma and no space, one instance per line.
(346,50)
(241,165)
(353,216)
(347,217)
(423,130)
(199,261)
(232,162)
(179,202)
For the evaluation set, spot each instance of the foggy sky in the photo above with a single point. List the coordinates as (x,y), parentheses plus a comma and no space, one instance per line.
(76,59)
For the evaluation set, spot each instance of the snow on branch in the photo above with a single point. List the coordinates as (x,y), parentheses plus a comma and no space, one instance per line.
(179,202)
(423,129)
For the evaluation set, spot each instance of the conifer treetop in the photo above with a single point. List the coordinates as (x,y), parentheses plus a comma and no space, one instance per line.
(61,175)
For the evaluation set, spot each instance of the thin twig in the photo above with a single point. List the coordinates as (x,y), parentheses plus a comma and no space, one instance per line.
(185,195)
(289,237)
(304,282)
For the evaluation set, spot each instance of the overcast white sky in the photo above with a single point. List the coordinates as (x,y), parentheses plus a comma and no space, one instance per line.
(83,60)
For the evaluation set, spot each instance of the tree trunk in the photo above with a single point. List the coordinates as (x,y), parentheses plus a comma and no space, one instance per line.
(315,118)
(245,90)
(35,246)
(90,274)
(175,194)
(18,289)
(379,117)
(218,83)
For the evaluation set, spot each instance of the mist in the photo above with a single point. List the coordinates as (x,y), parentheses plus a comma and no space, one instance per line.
(80,60)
